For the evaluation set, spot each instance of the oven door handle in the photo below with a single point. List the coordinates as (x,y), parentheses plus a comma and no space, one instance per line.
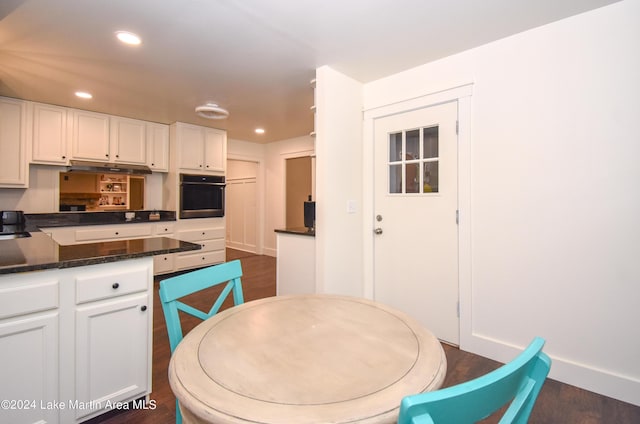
(207,184)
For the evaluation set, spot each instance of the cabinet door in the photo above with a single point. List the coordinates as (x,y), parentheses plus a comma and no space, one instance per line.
(113,347)
(13,143)
(191,147)
(90,136)
(49,134)
(29,371)
(158,147)
(214,150)
(128,140)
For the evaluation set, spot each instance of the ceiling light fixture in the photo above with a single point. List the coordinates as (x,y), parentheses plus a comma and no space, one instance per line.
(83,95)
(128,38)
(212,111)
(259,130)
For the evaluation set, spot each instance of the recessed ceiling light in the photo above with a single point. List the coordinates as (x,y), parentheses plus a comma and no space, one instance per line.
(83,95)
(259,130)
(128,37)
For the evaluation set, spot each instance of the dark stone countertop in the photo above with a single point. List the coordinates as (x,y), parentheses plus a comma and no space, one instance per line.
(40,252)
(35,221)
(302,231)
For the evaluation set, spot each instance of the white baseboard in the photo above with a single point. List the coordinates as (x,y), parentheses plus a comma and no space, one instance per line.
(565,370)
(270,252)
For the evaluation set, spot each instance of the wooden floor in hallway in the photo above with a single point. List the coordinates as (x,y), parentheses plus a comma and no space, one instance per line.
(557,403)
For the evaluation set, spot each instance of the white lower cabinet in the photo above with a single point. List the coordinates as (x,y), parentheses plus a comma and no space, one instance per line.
(210,235)
(75,342)
(163,264)
(112,350)
(29,374)
(29,330)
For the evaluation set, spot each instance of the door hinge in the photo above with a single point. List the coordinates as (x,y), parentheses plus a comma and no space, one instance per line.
(457,217)
(457,127)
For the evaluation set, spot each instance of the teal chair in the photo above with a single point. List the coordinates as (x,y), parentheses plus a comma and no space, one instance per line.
(518,383)
(174,288)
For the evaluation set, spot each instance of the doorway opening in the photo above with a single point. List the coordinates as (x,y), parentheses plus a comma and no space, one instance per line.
(299,188)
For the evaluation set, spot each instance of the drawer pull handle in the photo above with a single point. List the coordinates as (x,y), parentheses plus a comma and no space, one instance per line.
(143,308)
(117,233)
(115,285)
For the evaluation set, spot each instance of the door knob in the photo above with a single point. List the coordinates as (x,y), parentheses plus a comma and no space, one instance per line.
(378,230)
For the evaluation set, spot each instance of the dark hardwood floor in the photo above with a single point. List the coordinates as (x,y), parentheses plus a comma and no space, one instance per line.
(557,403)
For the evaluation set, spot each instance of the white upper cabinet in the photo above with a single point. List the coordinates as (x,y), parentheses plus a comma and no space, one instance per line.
(90,135)
(14,172)
(190,146)
(200,148)
(128,140)
(49,135)
(215,149)
(158,147)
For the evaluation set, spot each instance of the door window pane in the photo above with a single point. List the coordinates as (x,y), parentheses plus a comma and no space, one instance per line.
(413,145)
(430,177)
(413,178)
(395,147)
(430,142)
(395,179)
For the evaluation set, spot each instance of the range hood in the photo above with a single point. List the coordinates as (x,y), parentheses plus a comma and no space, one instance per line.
(107,168)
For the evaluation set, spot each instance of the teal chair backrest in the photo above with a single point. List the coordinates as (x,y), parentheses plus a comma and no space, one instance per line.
(174,288)
(518,382)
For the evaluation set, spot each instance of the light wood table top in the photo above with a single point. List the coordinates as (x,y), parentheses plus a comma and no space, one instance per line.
(304,359)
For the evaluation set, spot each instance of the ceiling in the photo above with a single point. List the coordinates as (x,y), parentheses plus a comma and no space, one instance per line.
(253,57)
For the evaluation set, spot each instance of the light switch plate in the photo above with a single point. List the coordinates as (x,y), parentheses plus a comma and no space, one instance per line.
(351,206)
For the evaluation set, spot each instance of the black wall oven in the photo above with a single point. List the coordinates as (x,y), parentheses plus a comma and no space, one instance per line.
(201,196)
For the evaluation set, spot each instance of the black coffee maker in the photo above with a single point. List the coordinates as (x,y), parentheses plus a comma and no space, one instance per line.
(12,222)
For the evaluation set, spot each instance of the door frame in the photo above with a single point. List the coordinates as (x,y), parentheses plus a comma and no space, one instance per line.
(462,94)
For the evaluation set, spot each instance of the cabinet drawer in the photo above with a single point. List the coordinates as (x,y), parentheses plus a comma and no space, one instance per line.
(201,234)
(162,264)
(199,259)
(105,285)
(161,229)
(111,233)
(208,246)
(28,298)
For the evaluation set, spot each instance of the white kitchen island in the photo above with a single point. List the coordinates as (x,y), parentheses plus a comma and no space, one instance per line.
(76,326)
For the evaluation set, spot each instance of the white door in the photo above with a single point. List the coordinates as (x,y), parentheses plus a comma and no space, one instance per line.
(416,234)
(241,205)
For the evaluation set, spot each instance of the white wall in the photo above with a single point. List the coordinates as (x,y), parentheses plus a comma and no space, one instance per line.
(554,201)
(339,180)
(41,197)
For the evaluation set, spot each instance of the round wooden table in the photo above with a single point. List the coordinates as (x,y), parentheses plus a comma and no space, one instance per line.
(304,359)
